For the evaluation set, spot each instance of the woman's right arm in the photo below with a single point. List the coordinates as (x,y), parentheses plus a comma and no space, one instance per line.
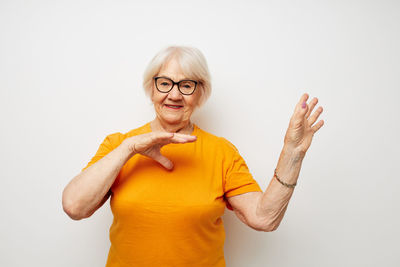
(88,191)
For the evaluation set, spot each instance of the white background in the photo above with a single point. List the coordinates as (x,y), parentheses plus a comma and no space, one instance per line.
(71,73)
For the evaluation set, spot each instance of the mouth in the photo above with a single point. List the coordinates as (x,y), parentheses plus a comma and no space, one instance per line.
(175,107)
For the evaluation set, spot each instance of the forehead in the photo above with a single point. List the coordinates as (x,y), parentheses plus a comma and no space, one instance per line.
(172,70)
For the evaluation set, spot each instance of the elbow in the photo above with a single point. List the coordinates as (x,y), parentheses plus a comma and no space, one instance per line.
(72,214)
(71,209)
(268,223)
(267,227)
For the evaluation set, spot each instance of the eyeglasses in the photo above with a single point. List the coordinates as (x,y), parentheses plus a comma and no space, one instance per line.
(164,85)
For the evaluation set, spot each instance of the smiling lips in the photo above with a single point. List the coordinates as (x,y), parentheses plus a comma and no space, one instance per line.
(174,106)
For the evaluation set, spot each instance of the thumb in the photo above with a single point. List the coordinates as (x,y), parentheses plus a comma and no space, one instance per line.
(165,162)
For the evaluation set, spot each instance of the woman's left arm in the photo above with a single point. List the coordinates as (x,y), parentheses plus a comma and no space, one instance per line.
(274,201)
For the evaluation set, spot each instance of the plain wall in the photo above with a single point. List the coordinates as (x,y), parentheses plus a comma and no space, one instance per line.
(71,73)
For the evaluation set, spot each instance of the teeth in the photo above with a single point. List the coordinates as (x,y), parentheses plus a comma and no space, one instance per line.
(173,106)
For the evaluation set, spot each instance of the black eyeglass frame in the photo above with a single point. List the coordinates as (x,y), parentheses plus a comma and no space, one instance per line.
(173,84)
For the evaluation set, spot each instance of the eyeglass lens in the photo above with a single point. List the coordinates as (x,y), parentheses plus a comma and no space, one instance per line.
(165,84)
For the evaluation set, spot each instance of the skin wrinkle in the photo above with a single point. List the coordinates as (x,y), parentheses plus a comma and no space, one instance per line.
(174,120)
(264,210)
(273,204)
(260,210)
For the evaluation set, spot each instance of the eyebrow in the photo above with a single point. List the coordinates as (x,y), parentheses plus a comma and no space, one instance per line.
(185,79)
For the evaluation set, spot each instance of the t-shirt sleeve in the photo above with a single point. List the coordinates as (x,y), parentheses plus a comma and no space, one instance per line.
(109,143)
(238,179)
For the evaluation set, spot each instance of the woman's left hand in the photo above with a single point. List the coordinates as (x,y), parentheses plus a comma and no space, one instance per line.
(301,129)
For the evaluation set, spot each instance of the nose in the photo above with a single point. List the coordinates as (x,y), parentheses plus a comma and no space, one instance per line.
(174,94)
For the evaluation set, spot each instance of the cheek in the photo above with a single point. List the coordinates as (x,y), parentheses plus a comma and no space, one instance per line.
(191,105)
(195,99)
(157,97)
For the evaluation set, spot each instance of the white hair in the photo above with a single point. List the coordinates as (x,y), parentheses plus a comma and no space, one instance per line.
(193,65)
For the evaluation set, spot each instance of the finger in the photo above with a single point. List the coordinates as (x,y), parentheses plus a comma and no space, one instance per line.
(180,140)
(311,106)
(161,137)
(165,162)
(317,126)
(184,135)
(301,108)
(174,138)
(183,138)
(315,115)
(303,99)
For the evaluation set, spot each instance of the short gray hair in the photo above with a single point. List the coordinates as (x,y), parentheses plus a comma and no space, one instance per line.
(193,65)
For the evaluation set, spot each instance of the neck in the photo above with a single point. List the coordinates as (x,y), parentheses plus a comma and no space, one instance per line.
(184,127)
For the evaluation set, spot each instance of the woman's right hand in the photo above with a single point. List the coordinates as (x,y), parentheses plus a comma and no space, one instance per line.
(149,144)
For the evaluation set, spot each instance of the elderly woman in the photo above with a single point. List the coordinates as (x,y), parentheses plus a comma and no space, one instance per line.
(170,181)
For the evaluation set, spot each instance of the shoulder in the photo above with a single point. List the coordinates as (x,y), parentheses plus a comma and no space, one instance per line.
(114,139)
(228,145)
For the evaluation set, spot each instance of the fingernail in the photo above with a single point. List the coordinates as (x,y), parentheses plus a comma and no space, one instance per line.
(303,105)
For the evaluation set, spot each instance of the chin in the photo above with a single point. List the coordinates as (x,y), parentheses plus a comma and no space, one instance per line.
(172,119)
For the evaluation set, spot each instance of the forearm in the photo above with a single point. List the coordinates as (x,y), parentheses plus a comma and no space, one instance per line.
(87,189)
(275,199)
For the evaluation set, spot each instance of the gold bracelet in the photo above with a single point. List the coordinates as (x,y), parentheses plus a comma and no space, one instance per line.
(285,184)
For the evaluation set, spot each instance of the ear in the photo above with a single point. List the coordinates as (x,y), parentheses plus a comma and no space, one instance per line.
(200,94)
(152,94)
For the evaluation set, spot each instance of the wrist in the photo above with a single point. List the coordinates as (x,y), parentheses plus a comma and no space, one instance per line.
(294,153)
(127,149)
(289,164)
(283,183)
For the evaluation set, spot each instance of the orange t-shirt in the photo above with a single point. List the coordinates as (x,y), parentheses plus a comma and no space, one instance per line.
(173,218)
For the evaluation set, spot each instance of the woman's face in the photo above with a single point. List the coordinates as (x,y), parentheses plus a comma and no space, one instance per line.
(173,108)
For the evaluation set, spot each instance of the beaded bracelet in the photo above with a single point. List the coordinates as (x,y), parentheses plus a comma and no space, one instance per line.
(285,184)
